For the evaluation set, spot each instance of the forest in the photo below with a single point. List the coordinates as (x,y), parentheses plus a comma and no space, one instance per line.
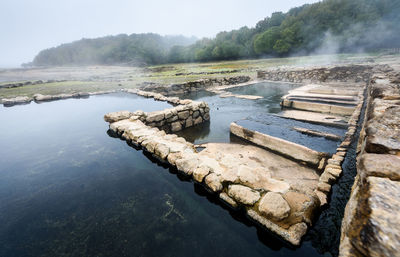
(329,26)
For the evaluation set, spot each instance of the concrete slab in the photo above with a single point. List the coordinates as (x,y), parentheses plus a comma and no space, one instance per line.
(315,117)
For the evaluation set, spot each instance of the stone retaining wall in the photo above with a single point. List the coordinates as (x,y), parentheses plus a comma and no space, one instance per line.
(350,73)
(371,223)
(191,86)
(333,166)
(187,114)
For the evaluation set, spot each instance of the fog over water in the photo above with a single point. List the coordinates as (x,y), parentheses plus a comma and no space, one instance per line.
(30,26)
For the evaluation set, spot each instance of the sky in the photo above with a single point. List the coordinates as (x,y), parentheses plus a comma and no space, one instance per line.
(28,26)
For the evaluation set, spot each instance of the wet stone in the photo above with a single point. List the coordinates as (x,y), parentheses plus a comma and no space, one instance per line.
(274,206)
(243,194)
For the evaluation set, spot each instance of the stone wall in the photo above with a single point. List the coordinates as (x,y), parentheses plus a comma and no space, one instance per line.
(232,172)
(187,87)
(350,73)
(371,223)
(186,114)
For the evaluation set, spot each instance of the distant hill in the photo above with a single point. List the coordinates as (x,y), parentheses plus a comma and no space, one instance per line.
(329,26)
(134,49)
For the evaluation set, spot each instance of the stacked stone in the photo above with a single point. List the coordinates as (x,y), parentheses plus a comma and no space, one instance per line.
(371,221)
(192,86)
(333,167)
(351,73)
(180,117)
(187,114)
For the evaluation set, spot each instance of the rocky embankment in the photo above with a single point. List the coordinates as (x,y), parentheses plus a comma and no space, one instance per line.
(348,73)
(8,102)
(187,87)
(371,224)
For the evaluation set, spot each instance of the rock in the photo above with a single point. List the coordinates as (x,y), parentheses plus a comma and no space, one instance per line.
(183,115)
(196,114)
(382,135)
(162,151)
(173,157)
(117,116)
(327,178)
(243,194)
(40,97)
(213,181)
(176,126)
(381,165)
(200,172)
(198,120)
(228,200)
(149,144)
(334,172)
(324,187)
(302,206)
(375,227)
(187,164)
(297,231)
(274,206)
(155,117)
(189,122)
(323,199)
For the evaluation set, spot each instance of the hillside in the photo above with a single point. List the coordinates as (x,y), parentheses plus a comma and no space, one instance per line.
(330,26)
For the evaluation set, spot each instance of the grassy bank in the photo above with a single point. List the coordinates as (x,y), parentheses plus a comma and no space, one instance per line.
(96,78)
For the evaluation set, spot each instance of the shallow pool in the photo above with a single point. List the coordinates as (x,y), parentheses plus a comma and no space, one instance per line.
(69,189)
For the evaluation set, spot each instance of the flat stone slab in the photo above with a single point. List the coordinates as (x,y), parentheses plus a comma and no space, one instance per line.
(286,129)
(315,117)
(262,169)
(284,147)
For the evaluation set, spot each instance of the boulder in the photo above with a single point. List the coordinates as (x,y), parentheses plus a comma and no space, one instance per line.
(117,116)
(155,117)
(274,206)
(176,126)
(200,172)
(243,194)
(213,181)
(183,115)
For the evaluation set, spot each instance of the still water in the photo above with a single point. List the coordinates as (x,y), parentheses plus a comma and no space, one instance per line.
(69,189)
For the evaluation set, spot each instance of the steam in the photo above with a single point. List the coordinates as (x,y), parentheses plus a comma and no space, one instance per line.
(356,39)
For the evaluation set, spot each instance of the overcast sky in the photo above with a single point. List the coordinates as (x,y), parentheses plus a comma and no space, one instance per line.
(28,26)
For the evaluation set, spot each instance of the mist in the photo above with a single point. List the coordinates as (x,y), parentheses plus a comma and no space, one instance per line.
(28,27)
